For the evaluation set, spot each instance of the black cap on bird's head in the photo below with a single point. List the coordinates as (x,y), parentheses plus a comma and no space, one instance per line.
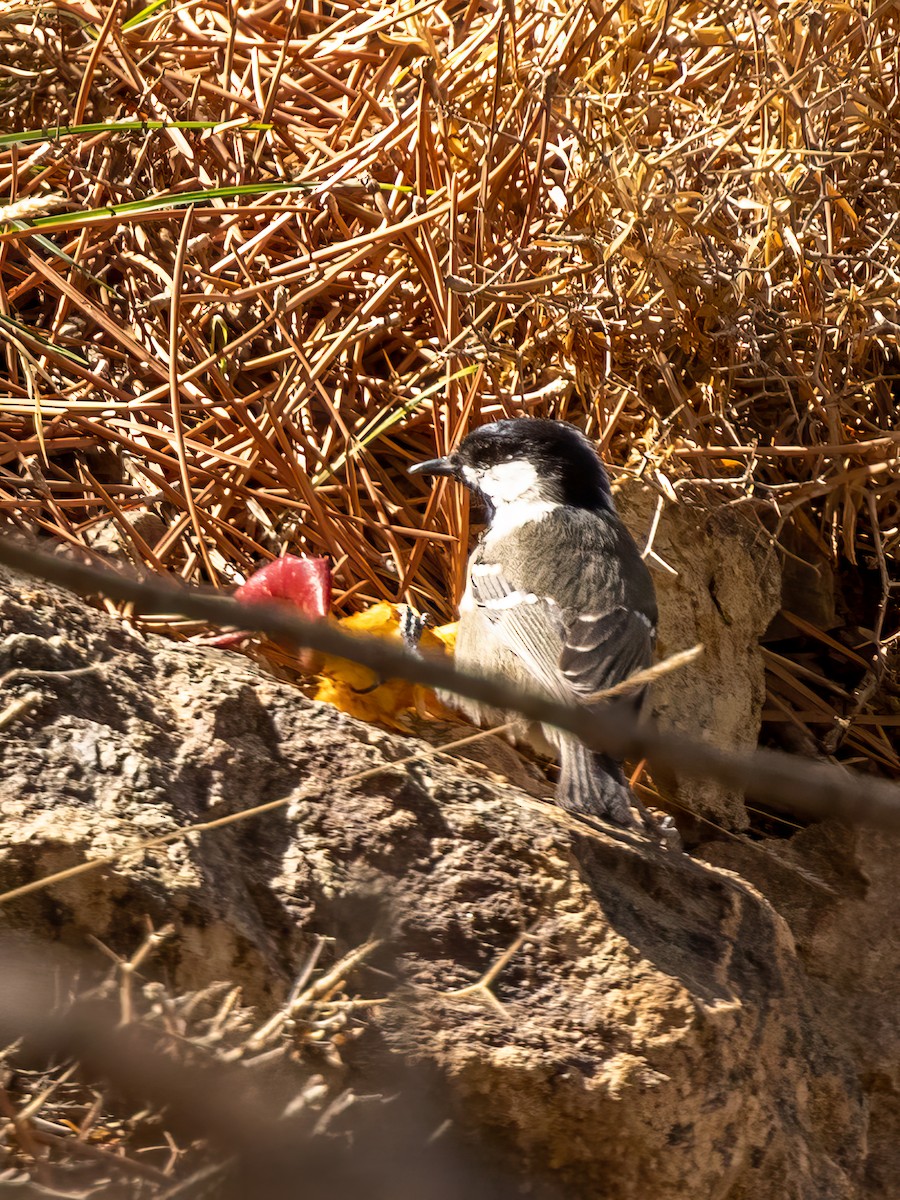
(506,460)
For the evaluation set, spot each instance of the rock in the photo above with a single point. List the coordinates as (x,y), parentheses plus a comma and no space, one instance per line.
(838,888)
(807,584)
(656,1033)
(116,538)
(724,593)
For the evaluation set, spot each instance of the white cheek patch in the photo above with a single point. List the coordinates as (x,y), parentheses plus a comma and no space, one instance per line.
(510,517)
(507,482)
(513,490)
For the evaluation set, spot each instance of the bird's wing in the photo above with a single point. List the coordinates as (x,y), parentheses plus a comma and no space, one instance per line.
(571,660)
(602,649)
(531,627)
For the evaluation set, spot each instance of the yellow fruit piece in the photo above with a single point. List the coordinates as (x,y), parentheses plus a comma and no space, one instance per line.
(446,634)
(356,691)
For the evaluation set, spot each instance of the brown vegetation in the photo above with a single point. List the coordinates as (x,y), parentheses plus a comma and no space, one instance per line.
(257,258)
(674,225)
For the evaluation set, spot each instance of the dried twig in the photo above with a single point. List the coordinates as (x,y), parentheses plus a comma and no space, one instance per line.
(482,986)
(795,785)
(401,225)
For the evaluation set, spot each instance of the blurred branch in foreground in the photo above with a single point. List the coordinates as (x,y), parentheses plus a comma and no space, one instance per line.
(787,782)
(265,1139)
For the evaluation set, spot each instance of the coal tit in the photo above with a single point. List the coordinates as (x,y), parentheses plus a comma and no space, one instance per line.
(557,597)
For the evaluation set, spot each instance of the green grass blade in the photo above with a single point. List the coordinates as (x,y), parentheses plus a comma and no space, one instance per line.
(385,420)
(30,335)
(56,252)
(24,136)
(140,18)
(159,203)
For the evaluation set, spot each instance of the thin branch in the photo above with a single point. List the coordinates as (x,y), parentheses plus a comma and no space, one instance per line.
(796,785)
(644,678)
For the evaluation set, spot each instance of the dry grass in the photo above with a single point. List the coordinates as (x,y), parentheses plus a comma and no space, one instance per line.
(65,1134)
(347,233)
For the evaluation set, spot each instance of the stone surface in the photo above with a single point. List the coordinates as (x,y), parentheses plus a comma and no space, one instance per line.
(723,594)
(669,1028)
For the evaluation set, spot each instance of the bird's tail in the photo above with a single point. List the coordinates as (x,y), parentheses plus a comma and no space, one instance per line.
(592,783)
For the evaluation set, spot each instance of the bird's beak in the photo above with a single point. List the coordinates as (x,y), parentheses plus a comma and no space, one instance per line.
(436,466)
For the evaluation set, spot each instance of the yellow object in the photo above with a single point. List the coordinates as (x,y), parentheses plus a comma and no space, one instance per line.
(356,691)
(446,634)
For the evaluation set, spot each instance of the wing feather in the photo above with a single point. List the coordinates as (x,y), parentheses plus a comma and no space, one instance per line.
(569,659)
(529,626)
(602,649)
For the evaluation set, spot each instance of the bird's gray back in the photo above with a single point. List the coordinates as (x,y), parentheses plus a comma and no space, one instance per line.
(576,558)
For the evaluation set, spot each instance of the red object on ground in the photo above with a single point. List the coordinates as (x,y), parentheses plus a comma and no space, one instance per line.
(301,583)
(304,583)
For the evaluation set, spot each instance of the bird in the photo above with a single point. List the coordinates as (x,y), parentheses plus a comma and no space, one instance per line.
(557,597)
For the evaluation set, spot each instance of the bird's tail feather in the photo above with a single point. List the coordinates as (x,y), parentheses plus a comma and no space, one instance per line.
(593,783)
